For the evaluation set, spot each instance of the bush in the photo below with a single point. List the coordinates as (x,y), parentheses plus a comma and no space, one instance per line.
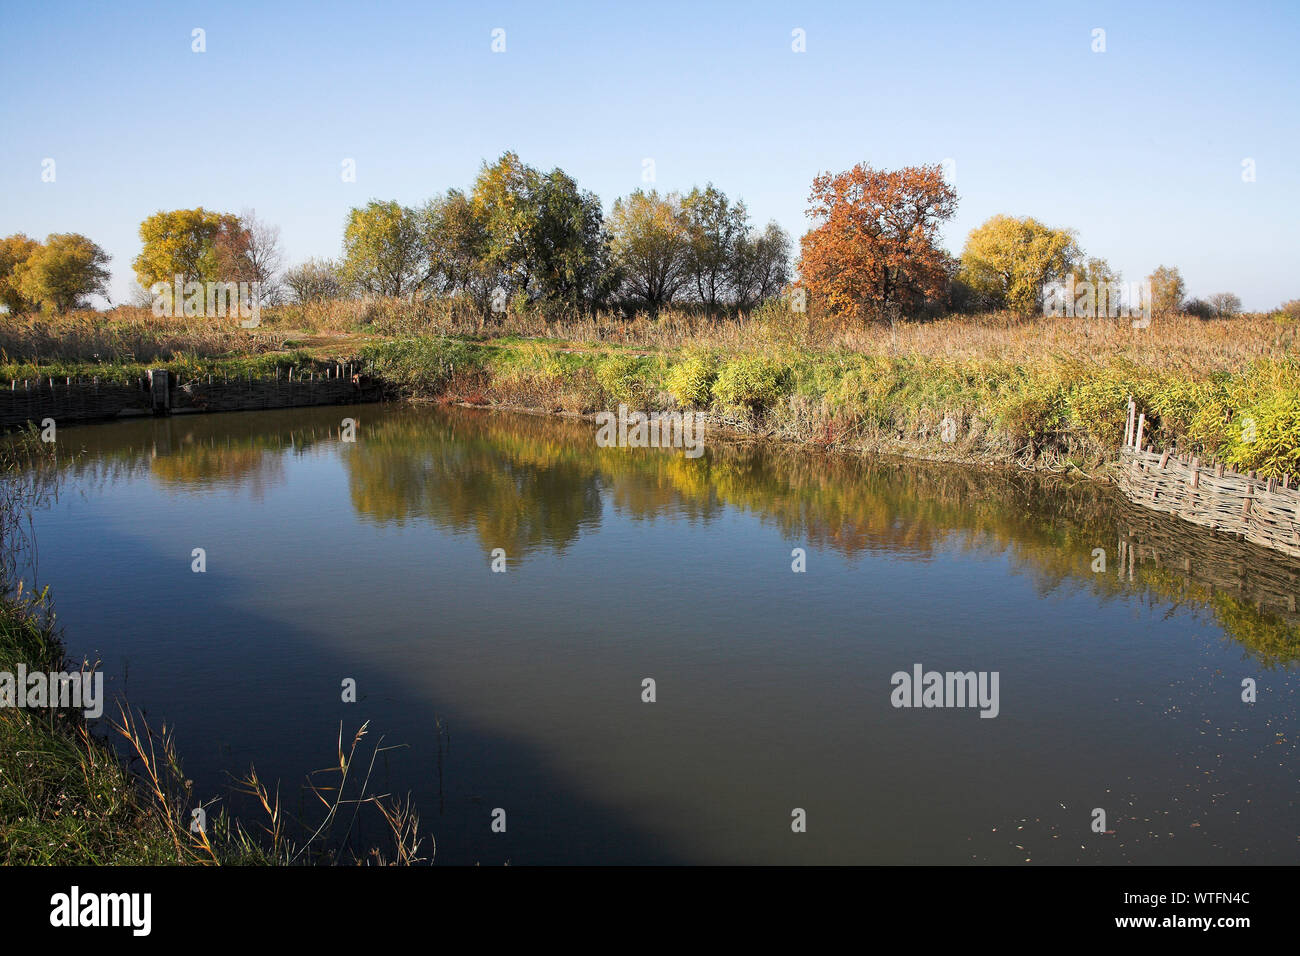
(1033,410)
(1099,407)
(627,379)
(751,385)
(424,366)
(1264,433)
(691,380)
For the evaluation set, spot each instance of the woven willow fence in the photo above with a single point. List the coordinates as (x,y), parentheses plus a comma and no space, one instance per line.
(1263,511)
(71,400)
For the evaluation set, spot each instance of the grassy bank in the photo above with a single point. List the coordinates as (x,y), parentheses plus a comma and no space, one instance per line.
(65,797)
(1041,407)
(1041,392)
(69,798)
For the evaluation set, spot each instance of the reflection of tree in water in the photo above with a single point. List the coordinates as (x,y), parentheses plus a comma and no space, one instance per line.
(513,492)
(209,463)
(187,453)
(523,482)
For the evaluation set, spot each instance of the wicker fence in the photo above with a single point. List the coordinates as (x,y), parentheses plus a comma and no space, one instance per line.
(1263,511)
(69,401)
(1267,581)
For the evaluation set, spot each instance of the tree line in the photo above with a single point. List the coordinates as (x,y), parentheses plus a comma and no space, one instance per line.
(873,253)
(520,237)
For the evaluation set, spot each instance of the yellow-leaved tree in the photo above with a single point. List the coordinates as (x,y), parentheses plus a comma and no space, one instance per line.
(1008,260)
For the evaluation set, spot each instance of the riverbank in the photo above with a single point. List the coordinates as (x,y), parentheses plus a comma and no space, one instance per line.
(1047,411)
(69,798)
(65,797)
(1042,393)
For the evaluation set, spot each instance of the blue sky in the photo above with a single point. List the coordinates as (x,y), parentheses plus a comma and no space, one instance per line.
(1139,148)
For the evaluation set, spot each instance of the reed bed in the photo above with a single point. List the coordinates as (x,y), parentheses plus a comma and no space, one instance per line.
(1172,344)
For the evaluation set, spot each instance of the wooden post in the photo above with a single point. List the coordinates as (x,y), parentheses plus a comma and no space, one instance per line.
(1196,473)
(1142,423)
(160,396)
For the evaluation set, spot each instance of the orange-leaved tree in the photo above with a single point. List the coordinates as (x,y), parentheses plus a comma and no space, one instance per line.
(873,250)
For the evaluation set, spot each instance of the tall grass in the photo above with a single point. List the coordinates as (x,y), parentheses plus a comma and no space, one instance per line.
(1172,343)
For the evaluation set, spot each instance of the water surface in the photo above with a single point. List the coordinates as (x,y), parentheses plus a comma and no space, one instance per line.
(325,560)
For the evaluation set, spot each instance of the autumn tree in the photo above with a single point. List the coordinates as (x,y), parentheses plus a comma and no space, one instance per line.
(14,251)
(1009,260)
(1104,279)
(63,272)
(1167,290)
(544,236)
(649,246)
(873,249)
(248,250)
(382,251)
(501,203)
(181,243)
(454,239)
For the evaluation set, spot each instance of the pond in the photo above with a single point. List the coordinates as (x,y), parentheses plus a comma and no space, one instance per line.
(506,596)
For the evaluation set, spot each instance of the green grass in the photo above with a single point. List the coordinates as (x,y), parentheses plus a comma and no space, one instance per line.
(65,797)
(1050,409)
(186,366)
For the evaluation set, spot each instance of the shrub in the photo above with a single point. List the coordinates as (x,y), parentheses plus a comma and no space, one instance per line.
(751,385)
(1099,407)
(626,378)
(424,366)
(691,380)
(1264,433)
(1033,410)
